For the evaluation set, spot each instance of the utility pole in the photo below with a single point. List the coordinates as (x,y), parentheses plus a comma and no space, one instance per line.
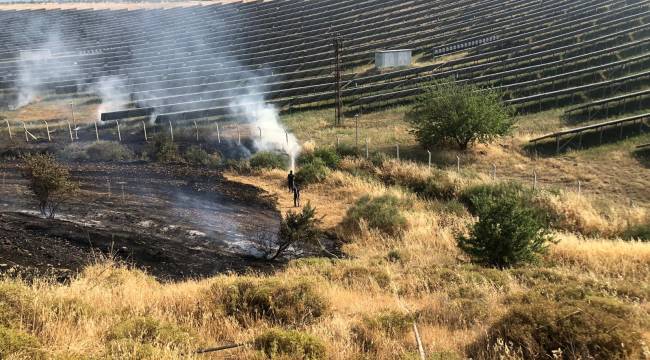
(338,54)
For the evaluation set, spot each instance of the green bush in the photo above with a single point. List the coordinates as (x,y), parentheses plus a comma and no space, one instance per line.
(268,160)
(591,328)
(19,345)
(328,156)
(163,149)
(294,344)
(472,197)
(381,213)
(242,166)
(195,155)
(638,232)
(460,114)
(281,302)
(313,172)
(297,228)
(146,330)
(507,233)
(344,150)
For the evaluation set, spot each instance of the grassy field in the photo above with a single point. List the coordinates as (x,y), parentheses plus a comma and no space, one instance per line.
(363,305)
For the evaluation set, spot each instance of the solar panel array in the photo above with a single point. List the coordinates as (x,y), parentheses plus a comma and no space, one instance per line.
(192,63)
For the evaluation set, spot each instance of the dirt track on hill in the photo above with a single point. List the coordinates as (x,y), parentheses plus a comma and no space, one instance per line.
(175,222)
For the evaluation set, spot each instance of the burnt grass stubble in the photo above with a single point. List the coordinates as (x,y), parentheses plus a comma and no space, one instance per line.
(151,227)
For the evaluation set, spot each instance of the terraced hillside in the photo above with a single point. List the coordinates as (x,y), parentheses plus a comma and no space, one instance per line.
(205,62)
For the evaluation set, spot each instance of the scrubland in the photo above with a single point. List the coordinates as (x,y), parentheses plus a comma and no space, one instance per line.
(587,296)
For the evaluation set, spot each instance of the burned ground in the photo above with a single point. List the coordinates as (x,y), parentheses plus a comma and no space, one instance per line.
(175,222)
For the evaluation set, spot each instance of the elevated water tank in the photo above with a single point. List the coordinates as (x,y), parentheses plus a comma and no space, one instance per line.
(393,58)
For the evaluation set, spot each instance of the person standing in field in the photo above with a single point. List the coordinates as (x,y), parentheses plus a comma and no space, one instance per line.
(291,180)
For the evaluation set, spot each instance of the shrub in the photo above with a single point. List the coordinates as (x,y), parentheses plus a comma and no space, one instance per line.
(49,180)
(293,303)
(328,156)
(108,151)
(195,155)
(358,276)
(297,228)
(381,213)
(638,232)
(473,196)
(19,345)
(507,233)
(163,149)
(437,186)
(460,114)
(592,328)
(268,160)
(239,166)
(373,329)
(294,344)
(346,150)
(149,330)
(313,172)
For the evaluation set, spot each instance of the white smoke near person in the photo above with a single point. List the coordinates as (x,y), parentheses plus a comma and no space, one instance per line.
(263,119)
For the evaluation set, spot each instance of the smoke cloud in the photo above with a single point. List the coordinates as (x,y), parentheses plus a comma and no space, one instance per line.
(112,99)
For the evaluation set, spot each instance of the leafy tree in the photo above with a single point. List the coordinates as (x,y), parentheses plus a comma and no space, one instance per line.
(507,233)
(49,180)
(461,114)
(297,228)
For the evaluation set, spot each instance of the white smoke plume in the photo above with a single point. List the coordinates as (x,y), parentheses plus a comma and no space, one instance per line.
(38,65)
(264,118)
(108,90)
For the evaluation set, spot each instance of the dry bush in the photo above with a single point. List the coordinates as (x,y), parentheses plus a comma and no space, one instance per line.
(281,302)
(381,213)
(293,344)
(373,330)
(540,328)
(96,151)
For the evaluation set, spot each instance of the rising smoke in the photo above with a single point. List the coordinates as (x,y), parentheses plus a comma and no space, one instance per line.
(58,55)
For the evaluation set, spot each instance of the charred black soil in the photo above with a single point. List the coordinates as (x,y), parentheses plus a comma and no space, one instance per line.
(173,221)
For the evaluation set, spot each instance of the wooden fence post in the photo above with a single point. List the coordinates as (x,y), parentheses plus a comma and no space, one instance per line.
(119,134)
(96,131)
(70,130)
(47,128)
(171,130)
(144,128)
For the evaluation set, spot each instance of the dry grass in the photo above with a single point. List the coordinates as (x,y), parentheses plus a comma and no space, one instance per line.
(454,303)
(382,283)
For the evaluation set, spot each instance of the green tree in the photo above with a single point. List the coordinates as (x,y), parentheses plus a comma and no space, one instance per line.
(49,180)
(507,233)
(297,227)
(461,114)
